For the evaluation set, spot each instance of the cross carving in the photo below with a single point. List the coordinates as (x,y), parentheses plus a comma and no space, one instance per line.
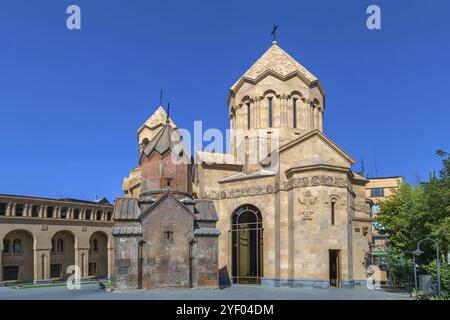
(168,233)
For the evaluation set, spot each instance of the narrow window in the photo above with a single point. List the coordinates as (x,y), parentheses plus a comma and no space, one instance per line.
(94,245)
(248,116)
(98,215)
(332,212)
(377,192)
(35,211)
(19,210)
(17,246)
(76,214)
(60,245)
(88,215)
(109,215)
(50,212)
(270,112)
(63,213)
(53,245)
(2,209)
(294,111)
(5,246)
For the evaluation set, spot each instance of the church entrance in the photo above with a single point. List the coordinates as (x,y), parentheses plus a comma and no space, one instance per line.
(247,245)
(335,268)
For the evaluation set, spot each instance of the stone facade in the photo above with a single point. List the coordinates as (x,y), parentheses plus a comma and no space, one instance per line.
(290,210)
(41,238)
(164,237)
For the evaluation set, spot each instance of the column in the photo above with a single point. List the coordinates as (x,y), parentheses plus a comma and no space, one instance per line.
(82,213)
(8,209)
(13,211)
(42,265)
(56,212)
(41,211)
(82,261)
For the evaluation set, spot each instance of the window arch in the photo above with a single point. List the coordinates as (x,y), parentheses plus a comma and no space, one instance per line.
(17,246)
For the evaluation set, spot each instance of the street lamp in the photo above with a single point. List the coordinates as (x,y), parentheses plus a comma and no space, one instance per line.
(418,252)
(413,253)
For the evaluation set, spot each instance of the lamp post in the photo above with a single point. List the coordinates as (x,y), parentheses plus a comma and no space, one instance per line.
(414,267)
(418,252)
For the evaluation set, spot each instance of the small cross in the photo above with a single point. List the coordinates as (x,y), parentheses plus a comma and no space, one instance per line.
(168,233)
(273,33)
(160,97)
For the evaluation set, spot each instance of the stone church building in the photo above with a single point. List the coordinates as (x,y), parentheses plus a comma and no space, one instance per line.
(282,207)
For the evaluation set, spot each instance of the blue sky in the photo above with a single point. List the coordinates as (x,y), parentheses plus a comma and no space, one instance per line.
(71,101)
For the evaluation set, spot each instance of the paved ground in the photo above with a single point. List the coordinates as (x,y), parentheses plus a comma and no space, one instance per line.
(91,292)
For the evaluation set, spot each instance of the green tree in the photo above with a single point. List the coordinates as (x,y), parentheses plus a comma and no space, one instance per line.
(416,212)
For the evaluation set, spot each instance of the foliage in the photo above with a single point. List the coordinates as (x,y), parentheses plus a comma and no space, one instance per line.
(413,213)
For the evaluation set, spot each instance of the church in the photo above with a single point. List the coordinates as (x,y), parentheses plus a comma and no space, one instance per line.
(282,207)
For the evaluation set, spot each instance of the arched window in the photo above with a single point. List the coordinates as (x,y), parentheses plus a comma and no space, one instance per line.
(6,246)
(94,245)
(294,111)
(17,246)
(248,116)
(270,109)
(333,205)
(60,245)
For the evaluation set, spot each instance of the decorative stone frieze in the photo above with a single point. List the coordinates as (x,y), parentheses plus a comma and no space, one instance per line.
(292,183)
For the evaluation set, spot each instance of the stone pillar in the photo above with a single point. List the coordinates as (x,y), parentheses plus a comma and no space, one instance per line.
(56,212)
(83,214)
(13,211)
(110,261)
(41,211)
(42,265)
(82,261)
(8,209)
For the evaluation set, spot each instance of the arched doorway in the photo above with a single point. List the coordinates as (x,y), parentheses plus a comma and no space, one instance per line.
(98,255)
(18,257)
(247,245)
(62,255)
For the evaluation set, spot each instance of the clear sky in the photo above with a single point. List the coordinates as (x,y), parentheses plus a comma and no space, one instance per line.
(71,101)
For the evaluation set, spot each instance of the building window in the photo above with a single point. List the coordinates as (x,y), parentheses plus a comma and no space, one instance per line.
(63,213)
(19,210)
(109,216)
(94,245)
(60,245)
(49,213)
(88,214)
(294,111)
(270,112)
(11,273)
(377,192)
(76,214)
(92,268)
(333,204)
(35,211)
(248,116)
(55,270)
(2,209)
(6,246)
(17,246)
(98,216)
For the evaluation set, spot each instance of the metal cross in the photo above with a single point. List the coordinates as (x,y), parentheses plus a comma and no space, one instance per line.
(168,112)
(273,33)
(160,97)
